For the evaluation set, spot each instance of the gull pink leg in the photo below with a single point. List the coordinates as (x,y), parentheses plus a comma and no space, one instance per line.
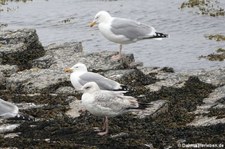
(118,56)
(106,125)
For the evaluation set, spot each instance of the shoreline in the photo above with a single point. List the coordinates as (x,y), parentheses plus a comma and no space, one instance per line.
(186,106)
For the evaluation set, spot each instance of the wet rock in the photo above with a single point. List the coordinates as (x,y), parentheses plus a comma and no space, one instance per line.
(19,47)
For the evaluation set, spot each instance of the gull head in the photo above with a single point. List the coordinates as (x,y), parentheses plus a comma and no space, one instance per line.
(79,67)
(101,17)
(90,87)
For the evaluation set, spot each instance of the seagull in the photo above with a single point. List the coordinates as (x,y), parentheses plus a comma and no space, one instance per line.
(106,104)
(124,31)
(9,110)
(80,75)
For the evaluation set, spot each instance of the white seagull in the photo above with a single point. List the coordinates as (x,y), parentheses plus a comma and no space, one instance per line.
(10,110)
(123,31)
(80,76)
(106,104)
(7,109)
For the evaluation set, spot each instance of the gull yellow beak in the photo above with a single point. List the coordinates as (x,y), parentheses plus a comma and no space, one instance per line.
(68,70)
(92,24)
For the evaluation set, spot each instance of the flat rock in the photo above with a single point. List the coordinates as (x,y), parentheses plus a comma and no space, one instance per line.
(156,108)
(36,81)
(19,46)
(132,77)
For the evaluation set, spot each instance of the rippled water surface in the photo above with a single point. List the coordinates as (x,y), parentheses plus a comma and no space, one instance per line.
(180,51)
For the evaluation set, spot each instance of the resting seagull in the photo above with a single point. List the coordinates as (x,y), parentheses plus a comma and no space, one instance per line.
(10,110)
(106,104)
(123,31)
(80,76)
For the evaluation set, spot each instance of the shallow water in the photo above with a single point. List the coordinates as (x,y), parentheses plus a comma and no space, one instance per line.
(180,51)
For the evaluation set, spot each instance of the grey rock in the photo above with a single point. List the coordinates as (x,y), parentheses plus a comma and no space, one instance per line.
(36,81)
(75,108)
(2,80)
(206,121)
(132,77)
(47,74)
(66,90)
(211,102)
(176,80)
(156,108)
(8,70)
(19,46)
(68,54)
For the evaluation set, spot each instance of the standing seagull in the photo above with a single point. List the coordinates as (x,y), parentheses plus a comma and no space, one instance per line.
(80,76)
(106,103)
(123,31)
(10,110)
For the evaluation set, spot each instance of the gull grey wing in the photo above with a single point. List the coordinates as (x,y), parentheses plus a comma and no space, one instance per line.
(7,108)
(103,83)
(114,101)
(130,29)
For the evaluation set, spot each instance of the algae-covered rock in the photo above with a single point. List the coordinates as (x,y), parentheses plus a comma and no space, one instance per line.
(205,7)
(19,47)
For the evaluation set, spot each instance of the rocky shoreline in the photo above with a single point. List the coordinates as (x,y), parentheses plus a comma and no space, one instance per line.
(188,107)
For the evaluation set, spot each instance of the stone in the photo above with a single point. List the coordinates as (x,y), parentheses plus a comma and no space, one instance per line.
(2,80)
(155,108)
(8,70)
(19,47)
(36,81)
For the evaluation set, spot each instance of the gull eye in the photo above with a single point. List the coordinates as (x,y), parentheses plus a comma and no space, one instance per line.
(88,87)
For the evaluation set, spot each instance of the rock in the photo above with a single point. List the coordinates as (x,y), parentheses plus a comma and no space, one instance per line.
(36,81)
(8,70)
(131,77)
(176,80)
(203,112)
(75,108)
(156,108)
(206,121)
(68,54)
(66,90)
(2,80)
(19,47)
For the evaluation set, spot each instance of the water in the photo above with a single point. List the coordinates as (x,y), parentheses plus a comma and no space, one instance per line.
(180,51)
